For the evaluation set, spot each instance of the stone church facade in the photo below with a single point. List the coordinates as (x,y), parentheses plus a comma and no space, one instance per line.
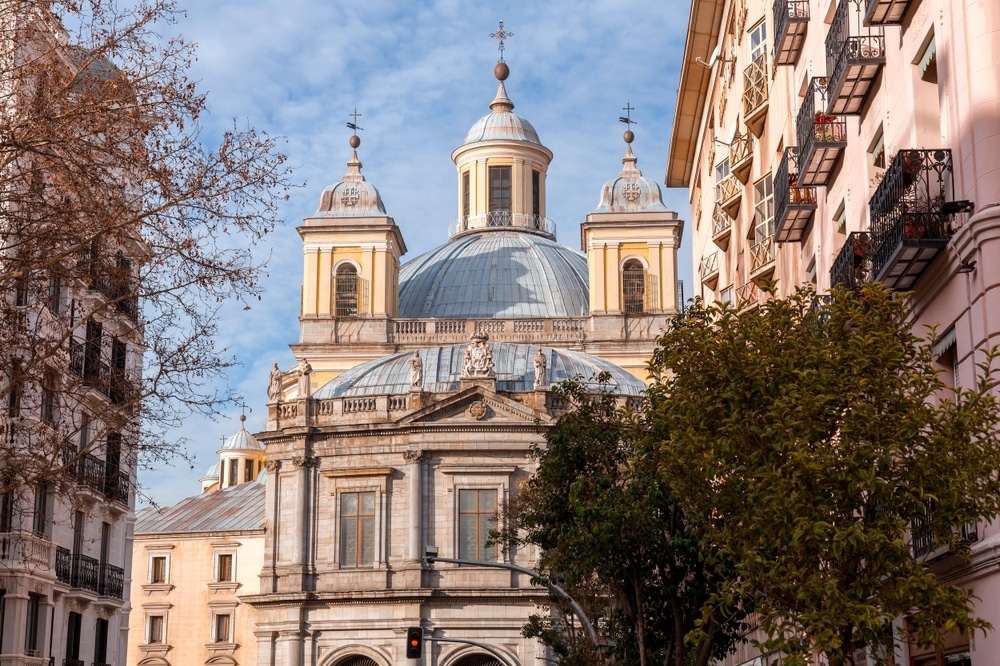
(420,389)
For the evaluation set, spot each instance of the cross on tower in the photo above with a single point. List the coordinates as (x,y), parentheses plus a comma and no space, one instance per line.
(501,35)
(627,118)
(354,125)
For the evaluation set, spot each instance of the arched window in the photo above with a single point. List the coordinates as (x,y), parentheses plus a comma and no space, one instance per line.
(346,291)
(633,287)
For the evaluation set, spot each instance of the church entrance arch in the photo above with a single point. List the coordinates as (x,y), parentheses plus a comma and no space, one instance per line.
(478,660)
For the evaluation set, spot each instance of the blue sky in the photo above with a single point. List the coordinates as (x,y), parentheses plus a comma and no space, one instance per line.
(420,73)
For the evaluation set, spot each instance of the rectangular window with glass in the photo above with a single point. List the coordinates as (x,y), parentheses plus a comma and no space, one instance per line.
(224,568)
(55,293)
(536,195)
(466,197)
(155,629)
(40,518)
(223,628)
(758,41)
(33,628)
(47,410)
(476,517)
(763,208)
(357,529)
(500,195)
(158,569)
(248,471)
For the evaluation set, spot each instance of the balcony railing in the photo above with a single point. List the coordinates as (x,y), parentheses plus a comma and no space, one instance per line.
(112,277)
(741,156)
(95,474)
(821,137)
(762,258)
(748,295)
(722,226)
(922,539)
(503,218)
(854,55)
(729,194)
(708,269)
(794,204)
(755,92)
(21,551)
(85,572)
(908,223)
(85,362)
(886,12)
(791,20)
(111,581)
(853,265)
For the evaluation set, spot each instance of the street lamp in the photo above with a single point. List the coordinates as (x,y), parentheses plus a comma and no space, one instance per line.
(431,557)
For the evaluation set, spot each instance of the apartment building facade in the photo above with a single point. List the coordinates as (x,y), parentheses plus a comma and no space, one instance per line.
(833,142)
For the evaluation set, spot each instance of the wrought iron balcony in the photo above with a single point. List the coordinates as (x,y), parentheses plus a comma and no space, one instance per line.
(85,573)
(794,204)
(886,12)
(762,258)
(78,571)
(791,20)
(729,194)
(821,137)
(755,93)
(708,270)
(722,226)
(854,55)
(741,156)
(116,487)
(92,472)
(922,540)
(853,265)
(910,224)
(111,581)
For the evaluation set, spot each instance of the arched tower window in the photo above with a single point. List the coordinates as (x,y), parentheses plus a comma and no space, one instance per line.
(346,291)
(633,287)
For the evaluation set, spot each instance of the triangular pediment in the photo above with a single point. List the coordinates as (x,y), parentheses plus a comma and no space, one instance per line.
(477,404)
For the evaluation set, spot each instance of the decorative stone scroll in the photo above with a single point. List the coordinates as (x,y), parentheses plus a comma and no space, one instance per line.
(478,358)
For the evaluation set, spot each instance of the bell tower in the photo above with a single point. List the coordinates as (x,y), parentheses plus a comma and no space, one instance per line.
(351,251)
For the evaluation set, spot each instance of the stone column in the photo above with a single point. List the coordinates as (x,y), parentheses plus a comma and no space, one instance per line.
(414,491)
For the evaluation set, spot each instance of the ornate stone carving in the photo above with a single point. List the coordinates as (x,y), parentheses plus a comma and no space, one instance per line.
(274,387)
(413,455)
(305,370)
(631,191)
(478,358)
(305,461)
(350,196)
(477,410)
(272,465)
(541,380)
(416,371)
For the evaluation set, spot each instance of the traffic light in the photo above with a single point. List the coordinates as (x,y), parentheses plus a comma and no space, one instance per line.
(414,642)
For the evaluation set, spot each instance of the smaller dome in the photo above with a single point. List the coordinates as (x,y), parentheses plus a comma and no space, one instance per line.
(502,123)
(211,473)
(353,196)
(631,192)
(242,441)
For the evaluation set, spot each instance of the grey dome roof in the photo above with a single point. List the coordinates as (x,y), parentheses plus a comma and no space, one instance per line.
(495,274)
(631,192)
(442,368)
(502,123)
(242,441)
(212,472)
(353,196)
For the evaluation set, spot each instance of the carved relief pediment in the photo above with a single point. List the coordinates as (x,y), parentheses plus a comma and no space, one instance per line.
(476,405)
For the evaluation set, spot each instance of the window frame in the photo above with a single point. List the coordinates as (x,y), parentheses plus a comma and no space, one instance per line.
(359,560)
(337,482)
(159,622)
(229,570)
(500,181)
(483,553)
(151,569)
(227,631)
(498,477)
(763,200)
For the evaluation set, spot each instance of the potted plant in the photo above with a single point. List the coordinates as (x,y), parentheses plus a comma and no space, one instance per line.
(826,130)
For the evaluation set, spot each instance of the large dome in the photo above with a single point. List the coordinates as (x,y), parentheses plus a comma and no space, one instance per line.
(495,274)
(443,371)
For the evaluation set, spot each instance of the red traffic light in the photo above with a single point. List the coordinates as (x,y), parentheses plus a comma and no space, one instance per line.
(414,642)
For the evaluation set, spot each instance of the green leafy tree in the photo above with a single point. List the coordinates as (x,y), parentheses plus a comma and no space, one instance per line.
(809,439)
(610,531)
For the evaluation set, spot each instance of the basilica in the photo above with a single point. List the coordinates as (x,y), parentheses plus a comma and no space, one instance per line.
(418,391)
